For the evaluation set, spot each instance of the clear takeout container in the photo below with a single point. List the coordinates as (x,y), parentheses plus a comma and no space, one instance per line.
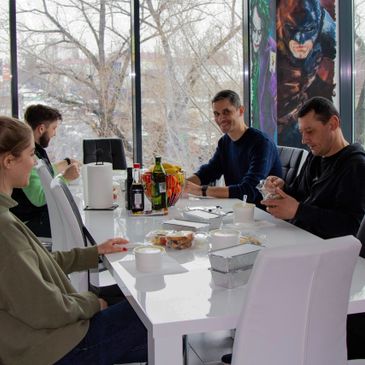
(158,237)
(180,240)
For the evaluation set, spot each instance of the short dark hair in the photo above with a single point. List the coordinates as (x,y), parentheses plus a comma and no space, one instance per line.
(322,107)
(232,96)
(41,114)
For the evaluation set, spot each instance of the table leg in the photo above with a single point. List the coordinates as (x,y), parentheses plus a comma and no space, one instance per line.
(165,350)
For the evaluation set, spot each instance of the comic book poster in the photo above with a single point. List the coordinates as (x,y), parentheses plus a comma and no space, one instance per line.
(306,53)
(263,66)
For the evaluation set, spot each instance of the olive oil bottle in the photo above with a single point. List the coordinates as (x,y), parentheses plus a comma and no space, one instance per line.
(159,192)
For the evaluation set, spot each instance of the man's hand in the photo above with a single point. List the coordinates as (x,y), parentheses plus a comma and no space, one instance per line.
(284,208)
(192,188)
(112,245)
(103,304)
(72,172)
(273,182)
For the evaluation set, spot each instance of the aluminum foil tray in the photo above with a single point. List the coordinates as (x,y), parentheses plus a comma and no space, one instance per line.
(234,258)
(231,279)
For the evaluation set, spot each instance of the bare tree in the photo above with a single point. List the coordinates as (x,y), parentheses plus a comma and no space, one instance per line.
(91,28)
(191,44)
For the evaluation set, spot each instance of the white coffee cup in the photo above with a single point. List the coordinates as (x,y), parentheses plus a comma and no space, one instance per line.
(222,238)
(243,212)
(148,258)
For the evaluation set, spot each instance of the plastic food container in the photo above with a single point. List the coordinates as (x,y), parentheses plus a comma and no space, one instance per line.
(181,225)
(158,237)
(214,220)
(180,240)
(241,257)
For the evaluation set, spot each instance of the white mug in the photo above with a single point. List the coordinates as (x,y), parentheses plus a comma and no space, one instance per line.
(222,238)
(148,258)
(243,213)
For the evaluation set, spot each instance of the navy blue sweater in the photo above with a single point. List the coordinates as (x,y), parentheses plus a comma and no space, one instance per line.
(243,163)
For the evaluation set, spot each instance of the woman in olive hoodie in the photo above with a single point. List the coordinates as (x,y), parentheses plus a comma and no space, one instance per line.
(43,320)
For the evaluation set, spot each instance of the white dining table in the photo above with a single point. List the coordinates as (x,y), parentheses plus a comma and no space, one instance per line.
(185,299)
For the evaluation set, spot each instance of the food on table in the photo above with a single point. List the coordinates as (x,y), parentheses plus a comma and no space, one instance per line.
(250,239)
(180,239)
(158,237)
(175,180)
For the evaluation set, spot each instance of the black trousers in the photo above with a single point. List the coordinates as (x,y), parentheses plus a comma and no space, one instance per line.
(111,294)
(40,225)
(356,336)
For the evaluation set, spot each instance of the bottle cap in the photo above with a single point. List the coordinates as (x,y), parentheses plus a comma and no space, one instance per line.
(137,165)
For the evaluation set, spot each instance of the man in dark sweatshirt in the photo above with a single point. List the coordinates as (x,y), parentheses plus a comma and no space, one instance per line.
(244,155)
(328,197)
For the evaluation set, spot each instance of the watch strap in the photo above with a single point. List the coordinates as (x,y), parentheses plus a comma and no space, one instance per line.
(204,190)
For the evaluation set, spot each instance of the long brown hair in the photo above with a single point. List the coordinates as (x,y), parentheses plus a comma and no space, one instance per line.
(15,136)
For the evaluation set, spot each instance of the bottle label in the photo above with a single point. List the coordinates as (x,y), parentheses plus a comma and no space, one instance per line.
(162,187)
(137,200)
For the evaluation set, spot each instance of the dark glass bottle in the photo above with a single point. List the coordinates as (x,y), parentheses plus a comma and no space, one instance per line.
(137,191)
(128,184)
(159,195)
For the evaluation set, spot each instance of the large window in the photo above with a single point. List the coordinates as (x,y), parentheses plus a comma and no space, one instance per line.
(359,70)
(5,74)
(75,56)
(190,49)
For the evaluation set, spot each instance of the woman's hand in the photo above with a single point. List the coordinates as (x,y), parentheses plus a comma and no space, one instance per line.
(112,245)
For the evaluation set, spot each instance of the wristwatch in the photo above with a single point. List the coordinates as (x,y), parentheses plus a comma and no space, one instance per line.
(67,160)
(204,190)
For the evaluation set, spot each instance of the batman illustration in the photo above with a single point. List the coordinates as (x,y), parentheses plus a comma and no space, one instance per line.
(306,50)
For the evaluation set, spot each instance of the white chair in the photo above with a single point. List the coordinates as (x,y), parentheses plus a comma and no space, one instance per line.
(296,307)
(67,227)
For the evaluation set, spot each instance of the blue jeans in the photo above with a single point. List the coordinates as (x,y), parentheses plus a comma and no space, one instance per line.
(115,336)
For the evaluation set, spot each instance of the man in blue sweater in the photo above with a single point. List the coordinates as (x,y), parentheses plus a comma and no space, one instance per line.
(244,155)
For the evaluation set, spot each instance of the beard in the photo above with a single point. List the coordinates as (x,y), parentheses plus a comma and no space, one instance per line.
(44,140)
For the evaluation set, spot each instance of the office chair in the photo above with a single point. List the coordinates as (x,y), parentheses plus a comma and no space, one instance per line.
(291,161)
(296,306)
(105,150)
